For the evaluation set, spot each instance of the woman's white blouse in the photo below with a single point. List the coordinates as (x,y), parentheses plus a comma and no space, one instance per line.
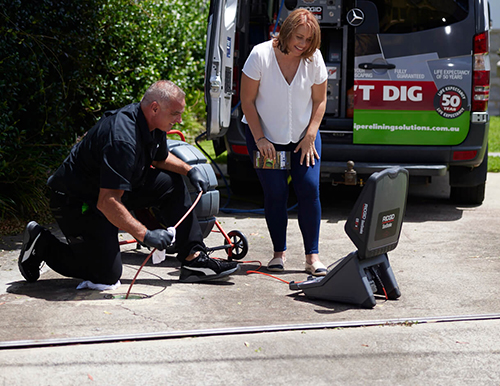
(284,109)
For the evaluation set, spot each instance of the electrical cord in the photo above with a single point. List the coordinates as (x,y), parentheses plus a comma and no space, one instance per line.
(379,281)
(274,277)
(263,273)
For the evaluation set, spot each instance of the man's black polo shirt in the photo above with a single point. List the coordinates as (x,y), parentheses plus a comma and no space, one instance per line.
(114,154)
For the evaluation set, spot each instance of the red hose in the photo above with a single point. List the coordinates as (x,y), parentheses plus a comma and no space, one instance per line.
(151,254)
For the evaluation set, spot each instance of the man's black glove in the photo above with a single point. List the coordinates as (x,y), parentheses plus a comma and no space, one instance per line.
(198,180)
(160,238)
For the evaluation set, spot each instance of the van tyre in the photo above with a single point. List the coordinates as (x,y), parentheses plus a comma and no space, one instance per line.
(468,184)
(468,195)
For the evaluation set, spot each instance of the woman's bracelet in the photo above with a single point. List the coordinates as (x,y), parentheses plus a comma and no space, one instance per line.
(256,142)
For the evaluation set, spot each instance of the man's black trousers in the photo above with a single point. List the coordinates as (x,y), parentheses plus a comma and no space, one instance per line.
(92,251)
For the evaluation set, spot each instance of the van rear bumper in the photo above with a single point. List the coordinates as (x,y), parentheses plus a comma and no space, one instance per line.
(426,161)
(365,168)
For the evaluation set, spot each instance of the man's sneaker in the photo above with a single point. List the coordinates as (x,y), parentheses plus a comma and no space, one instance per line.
(204,268)
(29,263)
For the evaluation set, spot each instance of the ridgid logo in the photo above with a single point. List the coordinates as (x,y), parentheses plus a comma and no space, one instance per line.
(316,11)
(364,214)
(387,224)
(388,220)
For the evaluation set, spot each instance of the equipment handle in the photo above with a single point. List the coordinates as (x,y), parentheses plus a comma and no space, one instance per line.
(377,66)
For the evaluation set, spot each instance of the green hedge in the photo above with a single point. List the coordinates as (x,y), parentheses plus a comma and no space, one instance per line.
(64,62)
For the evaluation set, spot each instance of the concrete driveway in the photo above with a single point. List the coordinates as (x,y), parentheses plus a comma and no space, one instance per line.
(251,329)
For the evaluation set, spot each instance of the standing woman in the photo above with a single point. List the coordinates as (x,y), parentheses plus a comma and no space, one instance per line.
(283,97)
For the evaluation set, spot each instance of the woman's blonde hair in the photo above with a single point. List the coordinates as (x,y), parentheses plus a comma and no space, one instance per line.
(299,17)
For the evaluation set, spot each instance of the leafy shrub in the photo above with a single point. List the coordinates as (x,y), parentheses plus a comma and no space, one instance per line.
(64,62)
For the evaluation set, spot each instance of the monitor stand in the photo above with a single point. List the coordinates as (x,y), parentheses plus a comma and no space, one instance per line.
(353,281)
(374,226)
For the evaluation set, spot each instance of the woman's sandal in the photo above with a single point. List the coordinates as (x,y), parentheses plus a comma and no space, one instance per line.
(277,264)
(316,269)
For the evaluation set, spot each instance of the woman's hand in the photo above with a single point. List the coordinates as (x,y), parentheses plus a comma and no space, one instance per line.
(308,150)
(266,148)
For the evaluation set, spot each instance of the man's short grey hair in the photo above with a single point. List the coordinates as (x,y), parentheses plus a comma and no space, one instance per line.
(162,91)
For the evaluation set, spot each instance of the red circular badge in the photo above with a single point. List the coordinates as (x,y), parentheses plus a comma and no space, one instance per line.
(450,101)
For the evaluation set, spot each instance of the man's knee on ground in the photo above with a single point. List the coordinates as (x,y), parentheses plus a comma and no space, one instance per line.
(107,271)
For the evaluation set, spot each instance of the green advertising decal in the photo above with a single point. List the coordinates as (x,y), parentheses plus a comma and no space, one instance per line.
(423,101)
(408,127)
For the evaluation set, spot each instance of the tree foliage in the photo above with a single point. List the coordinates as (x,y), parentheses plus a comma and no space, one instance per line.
(64,62)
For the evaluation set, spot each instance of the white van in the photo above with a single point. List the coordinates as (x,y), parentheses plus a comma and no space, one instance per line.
(408,86)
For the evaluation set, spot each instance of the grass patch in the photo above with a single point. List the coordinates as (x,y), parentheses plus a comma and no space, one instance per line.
(209,148)
(494,135)
(494,164)
(494,144)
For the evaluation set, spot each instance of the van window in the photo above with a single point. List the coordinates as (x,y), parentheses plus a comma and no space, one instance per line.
(404,16)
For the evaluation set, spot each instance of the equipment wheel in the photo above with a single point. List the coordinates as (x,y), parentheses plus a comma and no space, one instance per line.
(240,243)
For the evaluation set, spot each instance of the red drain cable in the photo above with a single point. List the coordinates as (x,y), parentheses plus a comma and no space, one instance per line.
(175,226)
(151,254)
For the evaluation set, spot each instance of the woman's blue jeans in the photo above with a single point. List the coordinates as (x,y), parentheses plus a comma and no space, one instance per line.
(275,186)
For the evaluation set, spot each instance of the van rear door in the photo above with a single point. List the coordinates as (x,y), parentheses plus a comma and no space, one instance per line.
(413,71)
(219,65)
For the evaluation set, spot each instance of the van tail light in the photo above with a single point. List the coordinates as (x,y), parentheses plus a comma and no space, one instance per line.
(464,155)
(240,149)
(481,82)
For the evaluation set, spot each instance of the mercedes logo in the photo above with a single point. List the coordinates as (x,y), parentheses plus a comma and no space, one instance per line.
(355,17)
